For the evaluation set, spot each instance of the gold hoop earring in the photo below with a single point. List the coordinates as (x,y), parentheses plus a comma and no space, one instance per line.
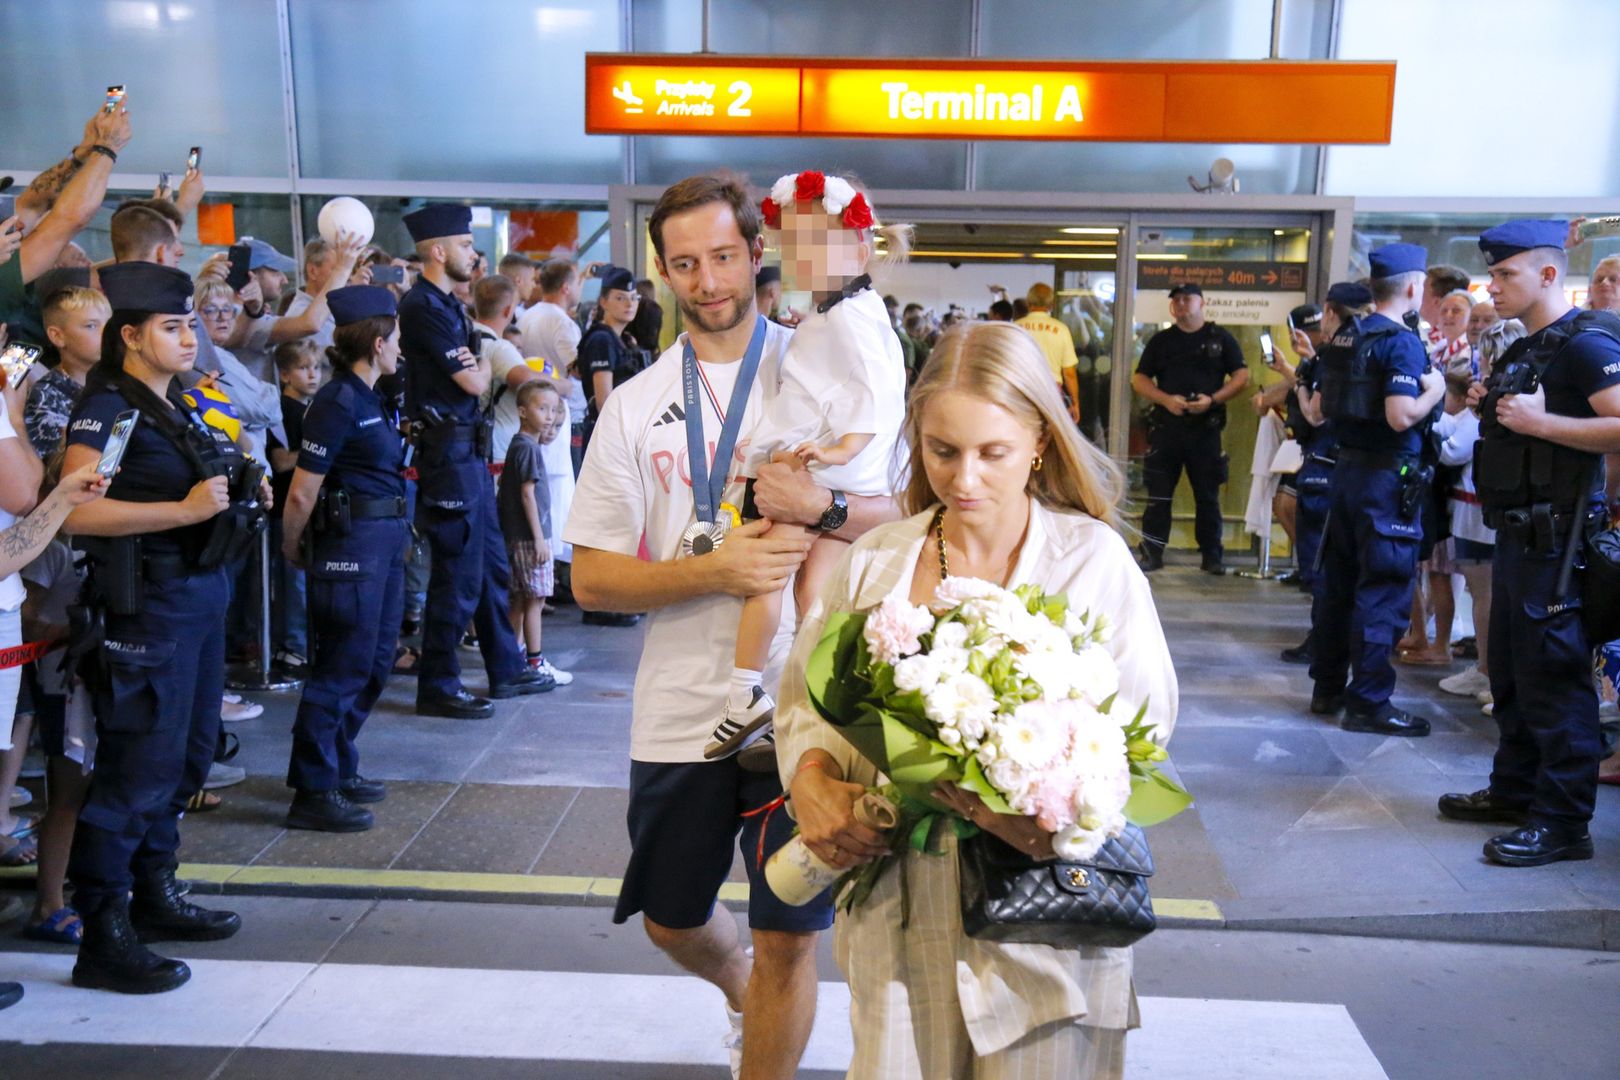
(1039,461)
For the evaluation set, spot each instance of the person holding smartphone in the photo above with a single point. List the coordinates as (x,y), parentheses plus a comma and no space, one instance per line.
(181,508)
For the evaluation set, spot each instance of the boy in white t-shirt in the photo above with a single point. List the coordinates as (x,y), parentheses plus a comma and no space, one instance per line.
(687,815)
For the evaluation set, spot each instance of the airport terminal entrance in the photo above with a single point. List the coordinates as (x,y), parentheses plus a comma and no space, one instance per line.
(1111,264)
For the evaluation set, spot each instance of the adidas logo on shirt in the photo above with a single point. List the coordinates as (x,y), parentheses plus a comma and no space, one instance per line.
(671,415)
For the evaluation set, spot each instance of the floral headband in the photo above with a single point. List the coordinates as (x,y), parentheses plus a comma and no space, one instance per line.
(836,194)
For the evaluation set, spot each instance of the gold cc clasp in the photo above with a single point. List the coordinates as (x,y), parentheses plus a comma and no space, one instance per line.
(1078,878)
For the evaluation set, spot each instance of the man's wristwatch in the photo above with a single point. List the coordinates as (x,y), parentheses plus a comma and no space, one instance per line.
(833,518)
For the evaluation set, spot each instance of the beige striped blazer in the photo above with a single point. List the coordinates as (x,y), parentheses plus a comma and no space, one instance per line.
(1004,991)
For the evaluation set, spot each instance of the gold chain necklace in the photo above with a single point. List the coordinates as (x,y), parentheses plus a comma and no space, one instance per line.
(939,534)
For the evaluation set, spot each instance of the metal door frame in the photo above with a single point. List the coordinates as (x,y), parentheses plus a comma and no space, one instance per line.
(1329,219)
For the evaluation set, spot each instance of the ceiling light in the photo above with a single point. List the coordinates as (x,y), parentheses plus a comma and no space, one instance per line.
(1090,230)
(1079,243)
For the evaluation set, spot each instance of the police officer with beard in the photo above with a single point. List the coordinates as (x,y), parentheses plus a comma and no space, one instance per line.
(444,377)
(1188,371)
(1378,390)
(1548,413)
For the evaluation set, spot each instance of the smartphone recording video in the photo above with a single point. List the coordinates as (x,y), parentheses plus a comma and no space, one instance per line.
(388,275)
(1266,347)
(117,442)
(115,98)
(237,276)
(16,361)
(194,158)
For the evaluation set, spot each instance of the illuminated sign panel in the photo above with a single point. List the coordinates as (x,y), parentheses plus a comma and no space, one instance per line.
(1268,101)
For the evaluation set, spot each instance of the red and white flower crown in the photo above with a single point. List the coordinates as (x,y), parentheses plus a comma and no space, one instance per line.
(836,194)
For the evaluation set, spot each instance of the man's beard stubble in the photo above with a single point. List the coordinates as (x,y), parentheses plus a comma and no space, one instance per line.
(739,312)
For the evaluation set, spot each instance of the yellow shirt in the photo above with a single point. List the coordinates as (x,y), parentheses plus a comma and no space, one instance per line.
(1054,339)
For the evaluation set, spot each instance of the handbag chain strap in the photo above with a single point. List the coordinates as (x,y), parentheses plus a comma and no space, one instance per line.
(939,534)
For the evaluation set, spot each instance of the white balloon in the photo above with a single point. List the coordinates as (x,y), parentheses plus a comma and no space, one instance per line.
(345,214)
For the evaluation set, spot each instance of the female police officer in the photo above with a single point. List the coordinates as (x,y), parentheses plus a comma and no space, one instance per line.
(182,506)
(348,492)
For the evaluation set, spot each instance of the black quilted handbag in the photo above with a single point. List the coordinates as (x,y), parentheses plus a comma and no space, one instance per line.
(1007,896)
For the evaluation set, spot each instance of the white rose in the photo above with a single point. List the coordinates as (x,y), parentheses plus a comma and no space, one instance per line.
(1052,672)
(1009,778)
(1072,843)
(1093,672)
(950,736)
(917,673)
(953,635)
(954,591)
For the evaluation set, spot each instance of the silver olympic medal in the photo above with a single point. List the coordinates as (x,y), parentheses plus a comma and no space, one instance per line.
(702,537)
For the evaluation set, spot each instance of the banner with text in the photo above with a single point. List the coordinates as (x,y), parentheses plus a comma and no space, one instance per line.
(1271,101)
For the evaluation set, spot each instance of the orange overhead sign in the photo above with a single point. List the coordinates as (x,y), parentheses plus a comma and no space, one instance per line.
(1266,101)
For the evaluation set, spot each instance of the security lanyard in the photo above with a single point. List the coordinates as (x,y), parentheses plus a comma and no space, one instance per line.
(706,489)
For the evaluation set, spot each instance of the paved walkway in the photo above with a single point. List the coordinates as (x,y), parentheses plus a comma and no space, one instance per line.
(1298,825)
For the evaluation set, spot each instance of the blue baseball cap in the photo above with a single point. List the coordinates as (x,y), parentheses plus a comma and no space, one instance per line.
(1512,237)
(439,219)
(1349,293)
(1393,259)
(261,255)
(144,286)
(352,303)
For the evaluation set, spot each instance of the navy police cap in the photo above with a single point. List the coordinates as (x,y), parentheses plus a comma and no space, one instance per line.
(617,277)
(352,303)
(144,286)
(1393,259)
(1306,315)
(439,219)
(1349,294)
(1187,288)
(1512,237)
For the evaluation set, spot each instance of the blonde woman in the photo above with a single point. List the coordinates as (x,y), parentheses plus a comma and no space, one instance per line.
(1001,487)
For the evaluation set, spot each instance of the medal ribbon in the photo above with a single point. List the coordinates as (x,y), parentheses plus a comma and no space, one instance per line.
(706,489)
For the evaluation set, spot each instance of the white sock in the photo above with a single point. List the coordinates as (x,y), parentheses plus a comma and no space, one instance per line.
(743,681)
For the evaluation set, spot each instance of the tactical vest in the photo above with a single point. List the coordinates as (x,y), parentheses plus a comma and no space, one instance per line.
(1512,470)
(1352,384)
(1300,429)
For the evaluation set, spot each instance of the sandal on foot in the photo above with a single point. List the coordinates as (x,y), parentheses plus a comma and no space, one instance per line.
(406,660)
(24,852)
(25,827)
(202,802)
(62,927)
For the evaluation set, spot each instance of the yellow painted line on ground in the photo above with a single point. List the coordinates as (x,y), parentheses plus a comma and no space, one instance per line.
(517,884)
(558,885)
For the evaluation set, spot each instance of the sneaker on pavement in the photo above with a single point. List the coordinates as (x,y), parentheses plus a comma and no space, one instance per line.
(558,676)
(234,711)
(733,1041)
(1466,683)
(223,776)
(739,728)
(1489,709)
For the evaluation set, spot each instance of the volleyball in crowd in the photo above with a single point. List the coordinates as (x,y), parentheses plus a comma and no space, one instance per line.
(215,407)
(345,214)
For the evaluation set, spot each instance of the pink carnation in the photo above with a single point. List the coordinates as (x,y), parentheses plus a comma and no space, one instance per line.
(894,629)
(1053,794)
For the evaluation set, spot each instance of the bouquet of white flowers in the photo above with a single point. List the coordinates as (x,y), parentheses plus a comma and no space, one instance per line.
(1008,694)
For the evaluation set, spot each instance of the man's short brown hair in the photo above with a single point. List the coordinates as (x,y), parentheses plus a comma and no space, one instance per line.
(138,230)
(696,191)
(491,293)
(1444,279)
(554,274)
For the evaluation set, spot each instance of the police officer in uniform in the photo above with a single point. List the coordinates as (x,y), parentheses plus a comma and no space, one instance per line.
(444,377)
(1313,484)
(1378,391)
(1188,371)
(1546,416)
(150,636)
(349,495)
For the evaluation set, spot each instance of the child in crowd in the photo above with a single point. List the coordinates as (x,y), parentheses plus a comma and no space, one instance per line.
(524,506)
(839,408)
(73,319)
(298,365)
(53,582)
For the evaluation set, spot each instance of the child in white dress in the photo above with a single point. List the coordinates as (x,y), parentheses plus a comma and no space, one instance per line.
(838,410)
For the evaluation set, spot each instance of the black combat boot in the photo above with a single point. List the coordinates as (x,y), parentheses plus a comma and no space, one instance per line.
(111,956)
(160,913)
(327,811)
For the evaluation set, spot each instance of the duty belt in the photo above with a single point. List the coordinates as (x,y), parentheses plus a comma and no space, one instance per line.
(1373,459)
(1540,526)
(1322,459)
(167,567)
(368,509)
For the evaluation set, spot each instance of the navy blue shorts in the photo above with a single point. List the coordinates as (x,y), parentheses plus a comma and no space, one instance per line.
(686,825)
